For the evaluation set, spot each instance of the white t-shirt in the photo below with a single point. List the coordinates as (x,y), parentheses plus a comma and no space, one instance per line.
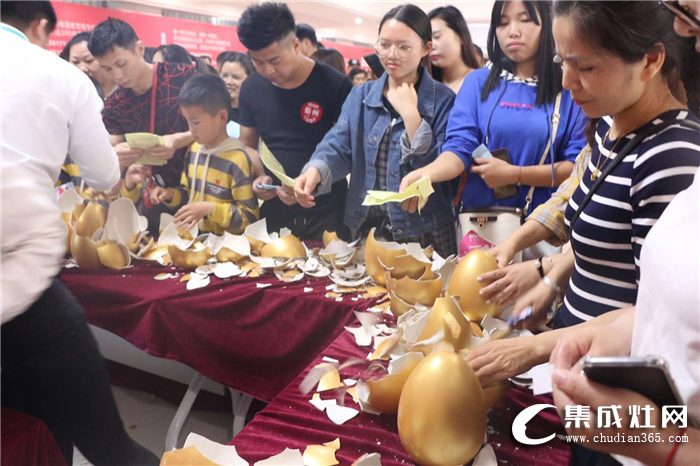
(667,317)
(49,109)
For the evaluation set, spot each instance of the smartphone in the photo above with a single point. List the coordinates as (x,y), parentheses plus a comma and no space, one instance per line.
(648,376)
(506,191)
(267,187)
(374,64)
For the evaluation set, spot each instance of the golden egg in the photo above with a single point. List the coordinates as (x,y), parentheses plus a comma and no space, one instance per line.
(329,237)
(385,393)
(84,252)
(447,315)
(495,393)
(442,416)
(374,252)
(113,256)
(190,259)
(415,291)
(92,219)
(464,284)
(288,247)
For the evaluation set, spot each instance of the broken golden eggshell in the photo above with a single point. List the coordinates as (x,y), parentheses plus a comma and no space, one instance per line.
(256,245)
(189,259)
(288,247)
(398,306)
(227,255)
(329,237)
(185,457)
(408,266)
(84,252)
(385,393)
(114,256)
(374,251)
(464,284)
(442,414)
(495,393)
(416,291)
(91,219)
(446,314)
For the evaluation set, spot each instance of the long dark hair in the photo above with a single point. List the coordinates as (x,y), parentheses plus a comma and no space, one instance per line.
(173,53)
(631,29)
(455,21)
(76,39)
(417,20)
(548,72)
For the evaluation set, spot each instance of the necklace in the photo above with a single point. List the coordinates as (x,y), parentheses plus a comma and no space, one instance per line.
(599,170)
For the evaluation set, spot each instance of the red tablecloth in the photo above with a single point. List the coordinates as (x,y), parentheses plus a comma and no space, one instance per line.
(26,441)
(255,340)
(290,421)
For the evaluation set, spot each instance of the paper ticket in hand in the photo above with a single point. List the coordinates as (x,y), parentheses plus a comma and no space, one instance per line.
(272,164)
(145,141)
(421,188)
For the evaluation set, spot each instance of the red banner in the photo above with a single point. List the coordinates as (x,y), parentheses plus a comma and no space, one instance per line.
(198,38)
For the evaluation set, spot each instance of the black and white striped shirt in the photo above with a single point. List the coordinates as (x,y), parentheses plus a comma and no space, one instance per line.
(608,236)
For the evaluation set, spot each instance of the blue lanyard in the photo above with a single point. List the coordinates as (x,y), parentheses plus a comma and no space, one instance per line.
(14,31)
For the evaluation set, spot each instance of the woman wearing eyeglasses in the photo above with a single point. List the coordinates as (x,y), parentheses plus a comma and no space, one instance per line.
(510,105)
(388,128)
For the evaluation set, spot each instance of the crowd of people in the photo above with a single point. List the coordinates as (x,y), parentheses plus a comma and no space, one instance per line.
(582,124)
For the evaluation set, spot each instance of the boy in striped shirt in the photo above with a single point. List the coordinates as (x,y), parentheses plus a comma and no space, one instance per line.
(216,190)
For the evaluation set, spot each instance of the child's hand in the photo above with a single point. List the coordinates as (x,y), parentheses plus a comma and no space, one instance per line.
(135,174)
(191,214)
(158,195)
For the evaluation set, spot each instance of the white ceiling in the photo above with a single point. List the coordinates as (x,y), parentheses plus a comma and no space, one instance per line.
(334,19)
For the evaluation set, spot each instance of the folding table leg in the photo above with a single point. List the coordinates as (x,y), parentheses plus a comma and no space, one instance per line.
(240,403)
(183,411)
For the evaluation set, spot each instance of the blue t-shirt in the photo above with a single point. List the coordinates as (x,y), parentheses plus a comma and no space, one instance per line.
(509,119)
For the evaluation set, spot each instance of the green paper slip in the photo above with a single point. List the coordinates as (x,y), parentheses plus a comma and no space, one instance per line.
(421,188)
(145,141)
(274,165)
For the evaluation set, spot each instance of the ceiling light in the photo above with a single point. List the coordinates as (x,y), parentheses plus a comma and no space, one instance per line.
(358,20)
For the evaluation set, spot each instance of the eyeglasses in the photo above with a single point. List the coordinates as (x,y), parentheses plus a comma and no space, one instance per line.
(401,51)
(681,13)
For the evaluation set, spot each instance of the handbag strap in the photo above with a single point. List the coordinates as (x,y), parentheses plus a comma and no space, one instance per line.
(550,142)
(629,147)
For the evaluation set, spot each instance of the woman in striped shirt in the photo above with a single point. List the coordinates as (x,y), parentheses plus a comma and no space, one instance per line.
(620,59)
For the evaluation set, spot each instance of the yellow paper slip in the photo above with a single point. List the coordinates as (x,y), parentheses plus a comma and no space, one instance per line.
(273,165)
(145,141)
(421,188)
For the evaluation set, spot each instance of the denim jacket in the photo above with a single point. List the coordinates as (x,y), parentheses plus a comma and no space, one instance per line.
(351,147)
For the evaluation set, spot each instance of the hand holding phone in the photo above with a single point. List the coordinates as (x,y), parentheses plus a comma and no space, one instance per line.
(266,187)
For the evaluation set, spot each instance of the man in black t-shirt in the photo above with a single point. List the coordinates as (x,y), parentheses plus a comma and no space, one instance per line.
(290,103)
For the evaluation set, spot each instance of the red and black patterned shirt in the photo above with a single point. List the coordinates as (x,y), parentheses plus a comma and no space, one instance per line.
(125,112)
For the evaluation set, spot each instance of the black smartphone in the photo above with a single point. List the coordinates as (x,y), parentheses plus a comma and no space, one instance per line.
(681,12)
(374,64)
(649,376)
(509,190)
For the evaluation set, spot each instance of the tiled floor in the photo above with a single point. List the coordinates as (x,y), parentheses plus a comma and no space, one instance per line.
(147,419)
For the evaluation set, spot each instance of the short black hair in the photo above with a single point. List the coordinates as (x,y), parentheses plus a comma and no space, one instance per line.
(76,39)
(261,25)
(306,31)
(21,14)
(110,33)
(148,53)
(355,71)
(207,91)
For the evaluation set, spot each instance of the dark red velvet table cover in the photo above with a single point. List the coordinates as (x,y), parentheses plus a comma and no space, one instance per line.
(290,421)
(255,340)
(26,441)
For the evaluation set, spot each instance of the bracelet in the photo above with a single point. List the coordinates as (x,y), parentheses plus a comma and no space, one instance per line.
(520,176)
(549,261)
(540,269)
(675,448)
(552,284)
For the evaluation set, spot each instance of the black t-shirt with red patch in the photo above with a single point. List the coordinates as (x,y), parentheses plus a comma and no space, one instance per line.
(293,121)
(125,112)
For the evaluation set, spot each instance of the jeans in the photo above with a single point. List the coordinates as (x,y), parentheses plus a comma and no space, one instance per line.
(52,369)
